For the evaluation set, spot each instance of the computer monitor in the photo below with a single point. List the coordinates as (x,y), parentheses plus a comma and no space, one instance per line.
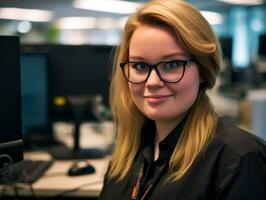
(80,70)
(262,58)
(262,45)
(226,46)
(77,70)
(11,143)
(36,123)
(78,73)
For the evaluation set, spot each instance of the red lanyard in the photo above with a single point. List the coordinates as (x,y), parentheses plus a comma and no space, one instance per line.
(136,190)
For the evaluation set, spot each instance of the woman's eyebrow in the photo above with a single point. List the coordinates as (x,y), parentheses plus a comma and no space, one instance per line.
(166,56)
(136,58)
(176,54)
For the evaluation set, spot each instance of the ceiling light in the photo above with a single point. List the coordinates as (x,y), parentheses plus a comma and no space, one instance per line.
(106,23)
(76,23)
(243,2)
(24,27)
(112,6)
(256,25)
(213,18)
(23,14)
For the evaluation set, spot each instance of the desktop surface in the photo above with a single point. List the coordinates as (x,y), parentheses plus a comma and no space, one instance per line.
(55,183)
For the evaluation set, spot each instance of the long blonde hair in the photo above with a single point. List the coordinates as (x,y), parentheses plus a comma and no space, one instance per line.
(195,35)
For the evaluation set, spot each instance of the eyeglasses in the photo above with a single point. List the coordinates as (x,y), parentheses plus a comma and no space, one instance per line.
(170,71)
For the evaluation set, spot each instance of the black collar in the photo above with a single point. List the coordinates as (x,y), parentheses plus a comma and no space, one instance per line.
(166,146)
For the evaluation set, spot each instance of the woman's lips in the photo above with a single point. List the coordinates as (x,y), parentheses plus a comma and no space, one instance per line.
(156,98)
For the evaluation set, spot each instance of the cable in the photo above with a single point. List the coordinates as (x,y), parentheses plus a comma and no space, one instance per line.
(15,188)
(12,187)
(6,163)
(33,194)
(28,183)
(2,192)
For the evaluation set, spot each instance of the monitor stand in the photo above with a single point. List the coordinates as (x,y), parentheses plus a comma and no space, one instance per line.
(62,152)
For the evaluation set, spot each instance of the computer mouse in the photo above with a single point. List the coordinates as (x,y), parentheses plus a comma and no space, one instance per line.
(81,167)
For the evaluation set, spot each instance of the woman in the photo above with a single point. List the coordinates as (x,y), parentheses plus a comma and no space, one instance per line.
(171,143)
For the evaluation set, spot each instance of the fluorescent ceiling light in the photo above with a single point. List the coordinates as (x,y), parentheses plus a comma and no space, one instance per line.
(34,15)
(24,27)
(112,6)
(243,2)
(106,23)
(76,23)
(213,18)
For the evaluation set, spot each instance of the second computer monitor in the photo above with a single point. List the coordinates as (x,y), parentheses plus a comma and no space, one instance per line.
(80,70)
(34,89)
(11,145)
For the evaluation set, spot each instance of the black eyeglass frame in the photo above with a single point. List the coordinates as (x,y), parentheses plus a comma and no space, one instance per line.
(155,66)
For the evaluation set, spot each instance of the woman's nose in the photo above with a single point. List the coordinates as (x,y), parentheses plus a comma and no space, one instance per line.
(154,80)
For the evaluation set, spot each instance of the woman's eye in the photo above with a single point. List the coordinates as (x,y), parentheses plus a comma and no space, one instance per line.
(171,65)
(140,66)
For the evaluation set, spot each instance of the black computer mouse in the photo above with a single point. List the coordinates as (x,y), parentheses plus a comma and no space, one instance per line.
(81,167)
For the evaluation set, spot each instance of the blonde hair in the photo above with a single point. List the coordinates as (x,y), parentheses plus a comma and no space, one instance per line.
(195,35)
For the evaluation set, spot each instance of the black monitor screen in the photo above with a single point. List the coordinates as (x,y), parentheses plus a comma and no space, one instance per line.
(34,90)
(262,45)
(226,46)
(80,70)
(10,109)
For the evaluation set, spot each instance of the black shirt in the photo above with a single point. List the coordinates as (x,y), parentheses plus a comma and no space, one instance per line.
(154,169)
(232,167)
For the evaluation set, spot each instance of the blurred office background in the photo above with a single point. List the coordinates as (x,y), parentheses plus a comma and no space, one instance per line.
(101,21)
(240,92)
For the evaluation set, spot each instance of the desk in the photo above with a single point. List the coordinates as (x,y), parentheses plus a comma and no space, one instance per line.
(55,182)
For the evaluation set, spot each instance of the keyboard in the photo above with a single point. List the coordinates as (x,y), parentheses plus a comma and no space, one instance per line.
(27,171)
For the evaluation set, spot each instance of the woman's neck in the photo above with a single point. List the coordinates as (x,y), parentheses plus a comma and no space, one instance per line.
(163,129)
